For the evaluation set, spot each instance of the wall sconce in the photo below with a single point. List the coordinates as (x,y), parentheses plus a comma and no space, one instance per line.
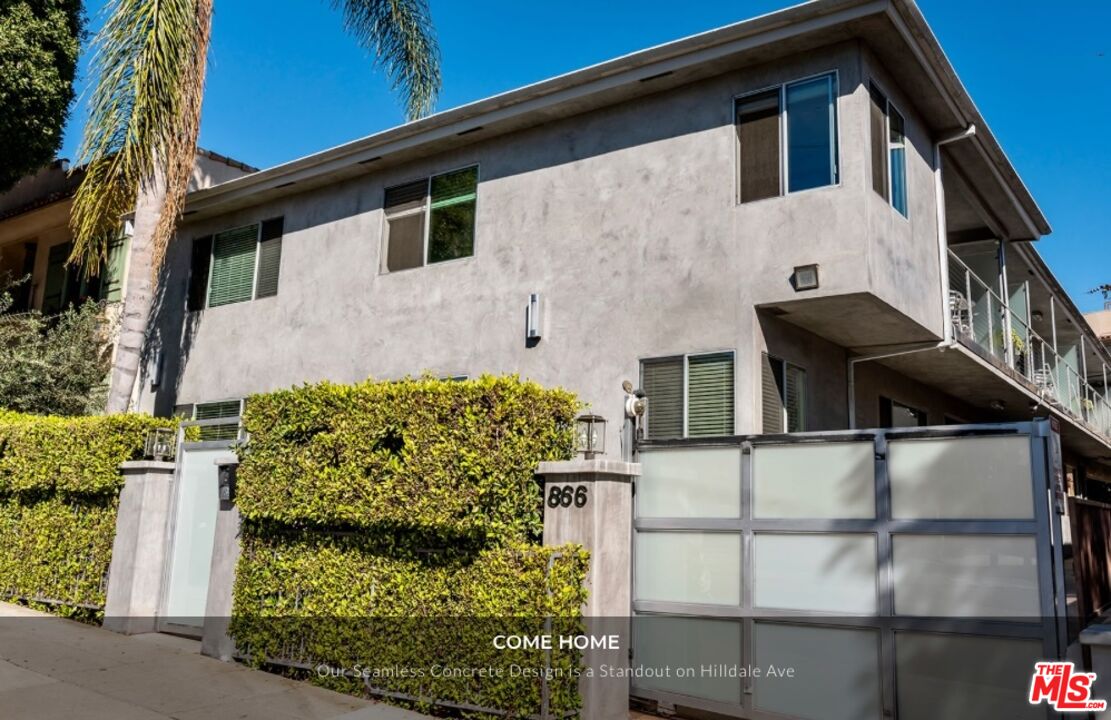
(805,277)
(590,435)
(154,368)
(159,444)
(532,318)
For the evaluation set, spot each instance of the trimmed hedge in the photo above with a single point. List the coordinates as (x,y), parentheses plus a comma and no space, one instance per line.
(351,604)
(439,454)
(393,525)
(59,492)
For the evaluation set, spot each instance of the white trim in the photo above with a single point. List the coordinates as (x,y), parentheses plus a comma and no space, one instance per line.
(425,209)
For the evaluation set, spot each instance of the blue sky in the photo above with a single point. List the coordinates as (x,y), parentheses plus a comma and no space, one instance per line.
(1039,71)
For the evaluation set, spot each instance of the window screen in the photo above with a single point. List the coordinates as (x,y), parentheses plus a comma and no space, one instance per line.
(710,403)
(233,266)
(758,136)
(405,215)
(662,381)
(877,120)
(811,133)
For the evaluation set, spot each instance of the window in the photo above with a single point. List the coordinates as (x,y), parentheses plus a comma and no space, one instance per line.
(430,220)
(894,414)
(689,395)
(216,411)
(236,265)
(788,138)
(783,394)
(67,286)
(889,151)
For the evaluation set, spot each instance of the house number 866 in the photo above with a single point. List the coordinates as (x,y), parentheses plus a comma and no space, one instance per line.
(566,496)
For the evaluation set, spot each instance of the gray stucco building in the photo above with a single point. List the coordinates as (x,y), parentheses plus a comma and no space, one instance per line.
(798,222)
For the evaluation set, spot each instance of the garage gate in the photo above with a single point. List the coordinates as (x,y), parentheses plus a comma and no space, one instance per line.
(849,575)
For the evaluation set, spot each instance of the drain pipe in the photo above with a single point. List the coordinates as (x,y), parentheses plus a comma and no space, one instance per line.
(942,229)
(942,346)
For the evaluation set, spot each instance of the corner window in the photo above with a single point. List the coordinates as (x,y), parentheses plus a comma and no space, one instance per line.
(430,220)
(236,265)
(783,396)
(689,395)
(889,151)
(788,138)
(894,414)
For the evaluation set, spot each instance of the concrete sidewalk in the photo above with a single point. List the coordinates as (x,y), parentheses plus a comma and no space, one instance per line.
(54,669)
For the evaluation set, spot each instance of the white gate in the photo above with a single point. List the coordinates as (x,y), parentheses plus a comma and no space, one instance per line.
(849,575)
(192,529)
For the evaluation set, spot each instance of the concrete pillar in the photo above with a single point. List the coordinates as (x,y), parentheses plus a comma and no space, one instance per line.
(215,641)
(1096,639)
(139,551)
(592,506)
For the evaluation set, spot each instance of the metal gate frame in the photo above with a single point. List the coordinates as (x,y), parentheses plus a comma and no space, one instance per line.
(1048,499)
(164,623)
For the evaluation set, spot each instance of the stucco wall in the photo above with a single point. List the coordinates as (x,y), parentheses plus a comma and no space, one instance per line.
(625,220)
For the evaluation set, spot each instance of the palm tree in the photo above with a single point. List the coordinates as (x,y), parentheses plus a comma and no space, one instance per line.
(140,141)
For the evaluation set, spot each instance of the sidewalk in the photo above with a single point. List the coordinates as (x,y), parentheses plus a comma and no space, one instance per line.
(54,669)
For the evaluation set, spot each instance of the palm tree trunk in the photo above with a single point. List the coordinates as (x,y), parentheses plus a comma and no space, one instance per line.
(138,299)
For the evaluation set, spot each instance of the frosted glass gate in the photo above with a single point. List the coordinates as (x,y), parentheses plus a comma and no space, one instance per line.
(897,574)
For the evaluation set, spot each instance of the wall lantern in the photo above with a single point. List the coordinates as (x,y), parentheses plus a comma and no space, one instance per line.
(805,277)
(159,444)
(590,435)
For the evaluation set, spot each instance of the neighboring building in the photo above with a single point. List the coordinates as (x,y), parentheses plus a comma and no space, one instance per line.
(35,239)
(1101,323)
(785,224)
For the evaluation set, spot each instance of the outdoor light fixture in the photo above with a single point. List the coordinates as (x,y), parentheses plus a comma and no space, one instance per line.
(532,317)
(1036,316)
(805,277)
(590,435)
(998,405)
(159,444)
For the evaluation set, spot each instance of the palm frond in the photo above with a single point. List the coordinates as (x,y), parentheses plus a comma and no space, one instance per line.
(148,78)
(400,35)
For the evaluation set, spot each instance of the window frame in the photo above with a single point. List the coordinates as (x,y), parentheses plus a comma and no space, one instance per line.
(212,256)
(834,74)
(890,107)
(686,385)
(426,210)
(783,393)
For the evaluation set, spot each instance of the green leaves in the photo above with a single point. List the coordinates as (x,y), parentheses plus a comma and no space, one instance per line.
(435,454)
(59,491)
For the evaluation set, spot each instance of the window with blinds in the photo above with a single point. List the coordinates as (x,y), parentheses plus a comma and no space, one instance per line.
(216,411)
(783,396)
(236,265)
(787,138)
(689,396)
(430,220)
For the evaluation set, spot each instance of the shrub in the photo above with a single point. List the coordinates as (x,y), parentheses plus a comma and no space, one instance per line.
(393,526)
(59,492)
(438,454)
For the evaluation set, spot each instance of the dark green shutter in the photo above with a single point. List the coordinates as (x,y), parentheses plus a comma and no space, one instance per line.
(771,397)
(710,395)
(198,276)
(111,288)
(269,258)
(877,120)
(662,381)
(233,266)
(54,293)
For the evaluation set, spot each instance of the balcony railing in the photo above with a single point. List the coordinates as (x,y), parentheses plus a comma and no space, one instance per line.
(978,314)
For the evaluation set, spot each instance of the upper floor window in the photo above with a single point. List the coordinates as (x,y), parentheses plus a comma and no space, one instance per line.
(430,220)
(783,396)
(788,138)
(236,265)
(689,395)
(889,151)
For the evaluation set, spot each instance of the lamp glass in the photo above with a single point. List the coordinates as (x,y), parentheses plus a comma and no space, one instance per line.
(590,435)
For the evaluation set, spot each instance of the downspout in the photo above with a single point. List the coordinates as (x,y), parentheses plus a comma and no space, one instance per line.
(942,230)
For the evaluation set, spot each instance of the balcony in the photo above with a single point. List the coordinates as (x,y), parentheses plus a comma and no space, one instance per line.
(1042,348)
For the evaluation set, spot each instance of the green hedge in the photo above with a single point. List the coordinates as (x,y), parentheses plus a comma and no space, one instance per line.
(454,456)
(59,492)
(352,604)
(394,525)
